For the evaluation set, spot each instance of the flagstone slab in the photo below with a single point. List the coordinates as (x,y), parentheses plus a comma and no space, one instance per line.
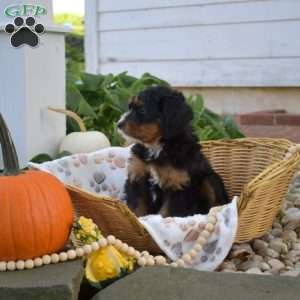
(162,283)
(52,282)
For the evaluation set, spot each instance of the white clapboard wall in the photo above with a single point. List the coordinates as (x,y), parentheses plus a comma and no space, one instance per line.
(197,42)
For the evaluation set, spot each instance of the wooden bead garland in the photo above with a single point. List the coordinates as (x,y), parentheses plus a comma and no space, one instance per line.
(103,242)
(46,259)
(142,261)
(80,252)
(63,256)
(143,258)
(118,243)
(20,264)
(38,262)
(11,266)
(72,254)
(54,258)
(87,249)
(29,264)
(3,266)
(131,251)
(292,151)
(180,263)
(95,246)
(111,239)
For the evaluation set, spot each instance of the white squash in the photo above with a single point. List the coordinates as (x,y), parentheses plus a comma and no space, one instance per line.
(83,141)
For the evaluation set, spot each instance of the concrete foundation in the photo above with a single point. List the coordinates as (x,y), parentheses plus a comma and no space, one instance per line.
(244,100)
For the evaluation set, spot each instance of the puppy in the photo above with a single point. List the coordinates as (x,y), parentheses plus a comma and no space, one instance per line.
(168,174)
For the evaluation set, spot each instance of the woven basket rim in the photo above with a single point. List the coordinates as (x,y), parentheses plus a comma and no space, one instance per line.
(111,201)
(276,168)
(251,140)
(252,185)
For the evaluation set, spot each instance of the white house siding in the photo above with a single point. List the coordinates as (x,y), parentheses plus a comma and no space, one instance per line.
(197,43)
(31,79)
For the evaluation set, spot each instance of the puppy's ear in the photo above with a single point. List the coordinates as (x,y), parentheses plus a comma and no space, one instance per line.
(176,115)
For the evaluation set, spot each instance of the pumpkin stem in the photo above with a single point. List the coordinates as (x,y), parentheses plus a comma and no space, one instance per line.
(72,115)
(9,154)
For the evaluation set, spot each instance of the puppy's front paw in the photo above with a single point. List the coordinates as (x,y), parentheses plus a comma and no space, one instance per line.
(137,169)
(140,151)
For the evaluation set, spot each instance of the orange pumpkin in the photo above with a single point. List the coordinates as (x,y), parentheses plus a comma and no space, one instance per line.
(35,209)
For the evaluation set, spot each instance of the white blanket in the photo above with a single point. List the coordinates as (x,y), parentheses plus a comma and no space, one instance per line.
(105,172)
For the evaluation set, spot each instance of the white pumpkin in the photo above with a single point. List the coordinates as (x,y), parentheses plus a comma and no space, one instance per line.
(83,141)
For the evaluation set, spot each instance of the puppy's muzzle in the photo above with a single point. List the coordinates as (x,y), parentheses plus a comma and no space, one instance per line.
(122,121)
(121,124)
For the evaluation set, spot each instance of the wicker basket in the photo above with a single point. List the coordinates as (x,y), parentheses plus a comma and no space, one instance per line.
(256,170)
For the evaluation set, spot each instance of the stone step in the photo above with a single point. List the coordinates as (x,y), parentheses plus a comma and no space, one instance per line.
(52,282)
(163,283)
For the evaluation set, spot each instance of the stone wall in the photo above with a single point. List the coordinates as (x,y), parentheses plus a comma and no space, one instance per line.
(273,123)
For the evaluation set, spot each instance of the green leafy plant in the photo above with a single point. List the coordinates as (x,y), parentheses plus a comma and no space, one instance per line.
(74,55)
(43,157)
(74,43)
(101,99)
(209,125)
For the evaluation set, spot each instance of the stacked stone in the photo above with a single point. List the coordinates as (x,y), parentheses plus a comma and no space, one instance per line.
(278,251)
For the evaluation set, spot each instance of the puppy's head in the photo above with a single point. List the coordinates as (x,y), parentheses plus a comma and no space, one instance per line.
(154,114)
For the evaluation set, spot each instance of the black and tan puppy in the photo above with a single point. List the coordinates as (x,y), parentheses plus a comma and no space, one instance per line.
(168,173)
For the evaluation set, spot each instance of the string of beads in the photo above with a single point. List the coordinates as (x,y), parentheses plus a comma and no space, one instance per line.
(143,258)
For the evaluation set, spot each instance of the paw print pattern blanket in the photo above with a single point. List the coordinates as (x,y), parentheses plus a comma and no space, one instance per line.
(105,172)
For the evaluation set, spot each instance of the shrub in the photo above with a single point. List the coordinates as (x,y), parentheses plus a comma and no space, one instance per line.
(74,43)
(101,99)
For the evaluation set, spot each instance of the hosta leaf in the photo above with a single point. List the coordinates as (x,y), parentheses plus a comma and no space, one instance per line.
(40,158)
(232,128)
(85,109)
(101,99)
(137,87)
(63,154)
(216,123)
(124,80)
(74,97)
(155,80)
(91,81)
(93,98)
(108,81)
(72,125)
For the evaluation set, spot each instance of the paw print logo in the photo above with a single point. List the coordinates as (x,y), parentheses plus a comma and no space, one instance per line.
(24,32)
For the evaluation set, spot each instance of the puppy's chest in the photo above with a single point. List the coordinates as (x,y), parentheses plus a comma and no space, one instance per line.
(154,177)
(168,177)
